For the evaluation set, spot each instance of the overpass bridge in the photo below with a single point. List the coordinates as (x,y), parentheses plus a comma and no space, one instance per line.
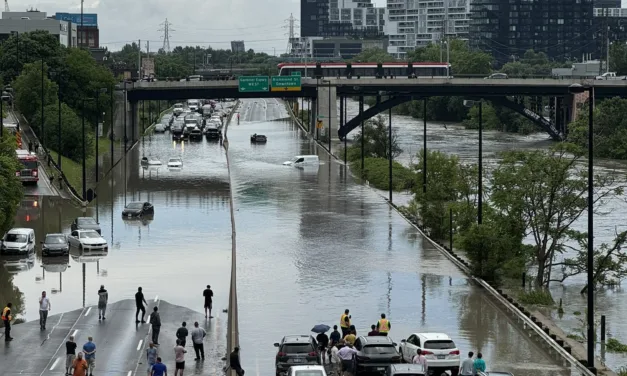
(323,92)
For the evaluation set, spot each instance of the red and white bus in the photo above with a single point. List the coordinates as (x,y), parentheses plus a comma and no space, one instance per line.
(29,172)
(366,70)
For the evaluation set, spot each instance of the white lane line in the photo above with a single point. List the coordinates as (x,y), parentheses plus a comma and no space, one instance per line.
(156,298)
(55,363)
(74,333)
(130,373)
(139,345)
(88,310)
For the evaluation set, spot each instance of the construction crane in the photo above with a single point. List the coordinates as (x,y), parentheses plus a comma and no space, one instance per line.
(6,6)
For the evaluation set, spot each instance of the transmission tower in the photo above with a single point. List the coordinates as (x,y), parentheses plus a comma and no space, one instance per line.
(291,34)
(6,6)
(166,28)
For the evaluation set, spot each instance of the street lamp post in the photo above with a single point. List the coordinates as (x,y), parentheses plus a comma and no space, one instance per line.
(43,132)
(83,154)
(98,92)
(1,119)
(111,123)
(577,89)
(424,146)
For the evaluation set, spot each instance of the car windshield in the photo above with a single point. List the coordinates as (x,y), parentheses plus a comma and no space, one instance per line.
(135,205)
(86,221)
(379,349)
(55,239)
(308,373)
(30,165)
(297,348)
(178,105)
(440,345)
(15,238)
(174,160)
(89,235)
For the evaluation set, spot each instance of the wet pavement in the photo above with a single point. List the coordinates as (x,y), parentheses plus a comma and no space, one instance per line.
(120,342)
(310,244)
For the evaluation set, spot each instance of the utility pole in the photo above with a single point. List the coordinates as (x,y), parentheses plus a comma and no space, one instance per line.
(139,60)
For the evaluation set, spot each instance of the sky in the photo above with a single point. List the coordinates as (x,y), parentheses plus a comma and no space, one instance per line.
(262,24)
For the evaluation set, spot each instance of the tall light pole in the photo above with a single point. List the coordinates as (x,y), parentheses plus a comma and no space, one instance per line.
(59,77)
(577,89)
(43,132)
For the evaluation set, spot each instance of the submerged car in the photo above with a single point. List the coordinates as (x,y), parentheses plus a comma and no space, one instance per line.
(138,209)
(88,240)
(175,163)
(55,245)
(86,223)
(258,139)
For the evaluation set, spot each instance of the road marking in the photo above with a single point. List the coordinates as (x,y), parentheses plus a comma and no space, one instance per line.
(88,310)
(156,298)
(130,373)
(74,334)
(55,363)
(62,343)
(139,345)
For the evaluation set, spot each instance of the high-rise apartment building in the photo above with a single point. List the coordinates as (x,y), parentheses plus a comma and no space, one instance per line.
(361,14)
(563,29)
(314,16)
(607,3)
(238,46)
(416,23)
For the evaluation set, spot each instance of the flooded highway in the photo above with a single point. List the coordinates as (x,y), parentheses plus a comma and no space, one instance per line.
(311,243)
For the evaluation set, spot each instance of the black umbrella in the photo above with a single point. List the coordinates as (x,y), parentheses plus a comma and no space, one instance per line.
(320,328)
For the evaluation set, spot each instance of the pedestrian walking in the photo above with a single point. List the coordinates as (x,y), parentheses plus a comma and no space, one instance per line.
(44,308)
(335,336)
(70,355)
(6,320)
(323,343)
(336,362)
(181,333)
(208,294)
(89,349)
(383,325)
(139,302)
(151,357)
(468,365)
(198,337)
(103,299)
(479,363)
(155,321)
(345,323)
(179,358)
(373,331)
(235,363)
(346,354)
(422,360)
(159,369)
(80,365)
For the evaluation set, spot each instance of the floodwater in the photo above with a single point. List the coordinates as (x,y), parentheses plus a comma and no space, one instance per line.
(311,243)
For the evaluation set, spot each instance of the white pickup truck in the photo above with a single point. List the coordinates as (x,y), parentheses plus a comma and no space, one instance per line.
(610,76)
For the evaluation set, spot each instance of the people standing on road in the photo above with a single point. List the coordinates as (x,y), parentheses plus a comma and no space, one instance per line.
(44,308)
(383,325)
(155,321)
(179,358)
(89,349)
(479,363)
(336,362)
(6,320)
(151,357)
(468,366)
(335,336)
(323,342)
(159,369)
(70,355)
(103,299)
(30,146)
(198,337)
(208,294)
(352,330)
(235,363)
(373,331)
(345,323)
(181,333)
(80,365)
(139,302)
(346,355)
(351,337)
(421,359)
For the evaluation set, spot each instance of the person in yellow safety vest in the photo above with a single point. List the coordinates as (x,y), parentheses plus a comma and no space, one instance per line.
(6,319)
(345,323)
(384,325)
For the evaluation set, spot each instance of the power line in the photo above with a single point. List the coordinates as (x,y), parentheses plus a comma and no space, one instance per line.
(166,35)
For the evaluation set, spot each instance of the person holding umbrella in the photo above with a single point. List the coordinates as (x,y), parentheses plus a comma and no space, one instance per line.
(322,338)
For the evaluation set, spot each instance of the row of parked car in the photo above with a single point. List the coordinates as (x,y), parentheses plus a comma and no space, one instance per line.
(195,118)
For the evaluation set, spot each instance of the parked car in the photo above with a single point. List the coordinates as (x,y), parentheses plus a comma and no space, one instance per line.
(212,132)
(195,134)
(178,109)
(175,163)
(441,352)
(497,76)
(405,370)
(86,223)
(88,240)
(296,350)
(374,354)
(55,245)
(18,241)
(258,139)
(138,209)
(306,371)
(159,128)
(303,160)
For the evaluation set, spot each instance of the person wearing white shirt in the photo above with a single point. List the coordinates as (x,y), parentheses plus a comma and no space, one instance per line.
(44,307)
(346,354)
(335,359)
(421,359)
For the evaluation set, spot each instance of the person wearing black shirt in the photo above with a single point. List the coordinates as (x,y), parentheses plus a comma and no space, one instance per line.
(139,302)
(335,336)
(208,294)
(323,342)
(70,355)
(373,331)
(182,333)
(234,362)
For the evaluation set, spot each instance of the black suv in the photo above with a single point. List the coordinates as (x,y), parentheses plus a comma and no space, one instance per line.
(297,350)
(375,354)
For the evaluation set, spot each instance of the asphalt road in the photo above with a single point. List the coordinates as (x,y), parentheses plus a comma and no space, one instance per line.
(120,343)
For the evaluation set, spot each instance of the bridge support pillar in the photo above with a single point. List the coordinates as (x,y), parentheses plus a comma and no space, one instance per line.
(313,116)
(327,97)
(134,121)
(575,101)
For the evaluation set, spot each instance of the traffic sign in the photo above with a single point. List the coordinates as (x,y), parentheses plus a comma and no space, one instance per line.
(254,84)
(285,83)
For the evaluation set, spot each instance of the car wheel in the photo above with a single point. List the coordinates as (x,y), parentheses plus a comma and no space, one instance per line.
(402,357)
(454,371)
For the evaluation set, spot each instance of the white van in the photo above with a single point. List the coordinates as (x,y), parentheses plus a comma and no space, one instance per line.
(193,104)
(19,241)
(303,160)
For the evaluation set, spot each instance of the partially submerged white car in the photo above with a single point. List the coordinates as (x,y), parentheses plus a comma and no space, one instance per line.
(175,163)
(88,240)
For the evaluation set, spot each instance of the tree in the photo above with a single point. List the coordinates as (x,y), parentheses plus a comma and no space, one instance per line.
(11,191)
(373,55)
(547,190)
(497,117)
(618,58)
(28,91)
(33,46)
(532,64)
(463,59)
(376,141)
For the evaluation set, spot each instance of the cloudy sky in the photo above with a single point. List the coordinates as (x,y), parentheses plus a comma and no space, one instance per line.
(260,23)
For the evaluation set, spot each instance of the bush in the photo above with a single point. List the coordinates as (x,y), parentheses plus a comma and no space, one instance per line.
(536,297)
(614,345)
(376,171)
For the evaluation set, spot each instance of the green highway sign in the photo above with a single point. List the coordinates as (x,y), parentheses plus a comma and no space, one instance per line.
(253,84)
(285,83)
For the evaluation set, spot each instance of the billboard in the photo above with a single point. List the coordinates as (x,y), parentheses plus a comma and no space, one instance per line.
(148,66)
(89,19)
